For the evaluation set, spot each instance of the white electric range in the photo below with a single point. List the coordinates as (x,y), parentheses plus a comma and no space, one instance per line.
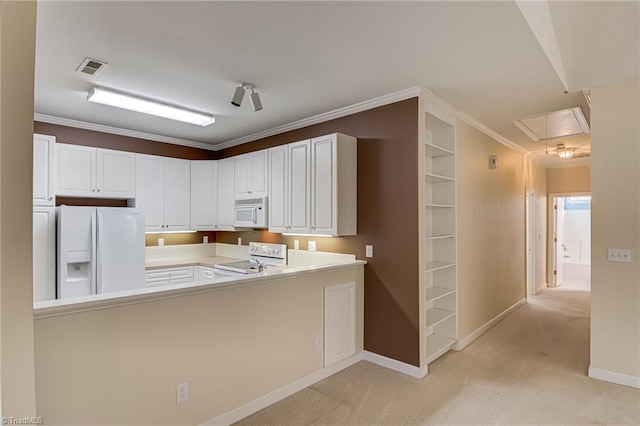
(261,256)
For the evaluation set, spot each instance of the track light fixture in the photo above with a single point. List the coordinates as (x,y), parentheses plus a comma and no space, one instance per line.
(254,97)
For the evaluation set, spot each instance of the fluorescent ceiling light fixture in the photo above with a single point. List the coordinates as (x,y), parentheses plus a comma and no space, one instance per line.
(308,235)
(136,103)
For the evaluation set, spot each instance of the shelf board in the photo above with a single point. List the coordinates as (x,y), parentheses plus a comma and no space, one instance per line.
(436,265)
(433,178)
(433,150)
(440,237)
(435,316)
(438,345)
(435,293)
(439,206)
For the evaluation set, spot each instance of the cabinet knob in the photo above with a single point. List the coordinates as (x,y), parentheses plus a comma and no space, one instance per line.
(93,190)
(50,198)
(98,190)
(313,228)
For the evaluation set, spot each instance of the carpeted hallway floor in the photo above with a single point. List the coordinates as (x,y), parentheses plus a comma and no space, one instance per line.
(529,369)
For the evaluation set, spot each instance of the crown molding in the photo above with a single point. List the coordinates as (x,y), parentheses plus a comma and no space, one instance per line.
(50,119)
(331,115)
(487,131)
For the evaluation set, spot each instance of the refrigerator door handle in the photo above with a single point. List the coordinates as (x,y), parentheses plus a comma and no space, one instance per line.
(96,238)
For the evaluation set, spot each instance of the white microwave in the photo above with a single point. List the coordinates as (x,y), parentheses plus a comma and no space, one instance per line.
(250,213)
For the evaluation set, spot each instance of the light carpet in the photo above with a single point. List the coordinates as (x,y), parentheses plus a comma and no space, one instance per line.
(529,369)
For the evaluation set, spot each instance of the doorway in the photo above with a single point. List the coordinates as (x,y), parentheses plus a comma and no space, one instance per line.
(571,248)
(530,208)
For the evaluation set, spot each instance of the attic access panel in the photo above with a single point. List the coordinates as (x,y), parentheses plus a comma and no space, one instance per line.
(555,124)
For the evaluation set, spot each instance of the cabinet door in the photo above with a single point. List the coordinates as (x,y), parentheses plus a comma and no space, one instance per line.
(299,164)
(43,157)
(150,190)
(44,253)
(277,204)
(204,194)
(115,174)
(259,173)
(243,165)
(324,186)
(75,170)
(177,194)
(339,322)
(226,198)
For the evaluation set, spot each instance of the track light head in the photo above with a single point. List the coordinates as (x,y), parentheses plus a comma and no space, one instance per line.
(237,96)
(256,103)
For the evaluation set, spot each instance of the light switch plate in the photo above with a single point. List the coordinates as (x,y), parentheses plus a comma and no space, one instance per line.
(205,239)
(619,255)
(311,246)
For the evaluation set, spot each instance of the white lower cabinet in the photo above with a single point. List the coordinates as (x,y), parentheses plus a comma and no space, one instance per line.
(44,253)
(162,276)
(339,322)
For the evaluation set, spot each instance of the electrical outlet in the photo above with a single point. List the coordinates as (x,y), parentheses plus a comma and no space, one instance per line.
(182,392)
(239,241)
(160,242)
(368,250)
(205,239)
(296,244)
(619,255)
(311,246)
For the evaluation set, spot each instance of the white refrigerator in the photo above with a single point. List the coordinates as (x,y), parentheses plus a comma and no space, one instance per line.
(100,250)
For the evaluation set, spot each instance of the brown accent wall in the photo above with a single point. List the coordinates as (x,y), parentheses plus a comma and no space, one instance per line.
(74,136)
(387,218)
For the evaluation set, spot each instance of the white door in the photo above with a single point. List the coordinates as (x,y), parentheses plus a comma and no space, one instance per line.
(204,194)
(150,190)
(259,173)
(43,158)
(560,248)
(75,170)
(242,172)
(530,242)
(324,186)
(226,194)
(115,173)
(277,201)
(177,194)
(299,187)
(44,253)
(339,322)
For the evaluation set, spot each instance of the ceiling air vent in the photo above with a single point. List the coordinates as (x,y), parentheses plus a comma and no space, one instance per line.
(91,66)
(554,124)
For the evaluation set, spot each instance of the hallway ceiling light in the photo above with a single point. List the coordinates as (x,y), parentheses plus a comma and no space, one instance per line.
(254,97)
(565,153)
(136,103)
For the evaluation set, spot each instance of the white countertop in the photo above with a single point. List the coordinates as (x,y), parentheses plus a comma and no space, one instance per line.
(144,294)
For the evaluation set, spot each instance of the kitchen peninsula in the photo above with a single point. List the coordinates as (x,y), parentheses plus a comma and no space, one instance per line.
(237,341)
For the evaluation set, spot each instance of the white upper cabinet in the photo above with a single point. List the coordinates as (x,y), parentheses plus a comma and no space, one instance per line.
(334,185)
(312,186)
(299,166)
(204,195)
(226,193)
(163,191)
(251,175)
(289,183)
(43,157)
(83,171)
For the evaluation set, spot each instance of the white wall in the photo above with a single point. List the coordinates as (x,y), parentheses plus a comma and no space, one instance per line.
(615,189)
(17,56)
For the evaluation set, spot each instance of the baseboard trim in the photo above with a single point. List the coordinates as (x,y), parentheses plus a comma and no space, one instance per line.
(264,401)
(461,344)
(539,289)
(613,377)
(399,366)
